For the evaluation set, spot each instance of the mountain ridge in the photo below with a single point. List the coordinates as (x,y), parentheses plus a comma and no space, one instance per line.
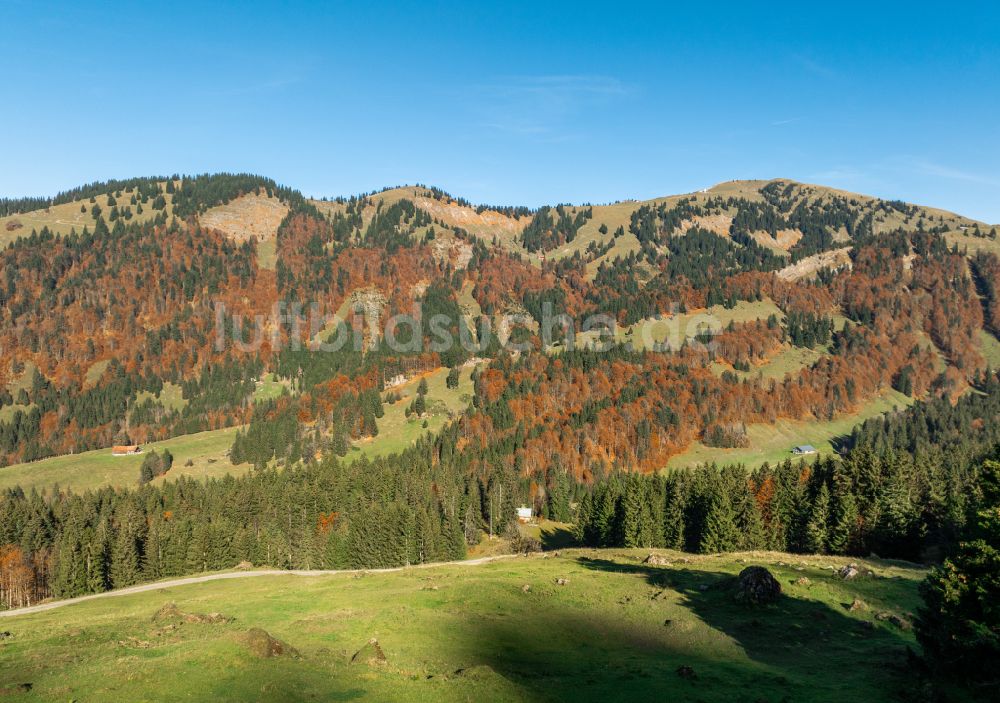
(13,206)
(88,363)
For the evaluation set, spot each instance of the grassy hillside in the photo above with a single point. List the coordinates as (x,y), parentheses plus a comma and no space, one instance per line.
(773,443)
(789,359)
(208,450)
(259,216)
(647,333)
(88,470)
(750,189)
(990,348)
(618,629)
(171,397)
(506,231)
(396,431)
(66,217)
(14,385)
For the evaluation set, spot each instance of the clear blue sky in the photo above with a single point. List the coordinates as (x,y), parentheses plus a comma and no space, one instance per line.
(519,104)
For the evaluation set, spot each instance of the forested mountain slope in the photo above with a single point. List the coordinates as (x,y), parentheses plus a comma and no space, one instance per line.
(102,311)
(119,331)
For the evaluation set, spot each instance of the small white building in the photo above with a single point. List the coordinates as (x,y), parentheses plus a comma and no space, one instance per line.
(803,449)
(524,514)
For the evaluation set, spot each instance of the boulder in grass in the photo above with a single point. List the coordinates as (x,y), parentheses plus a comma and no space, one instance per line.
(656,560)
(901,623)
(896,620)
(757,586)
(263,646)
(170,611)
(848,572)
(371,654)
(686,672)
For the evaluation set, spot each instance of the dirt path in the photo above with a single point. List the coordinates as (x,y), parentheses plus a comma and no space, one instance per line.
(157,585)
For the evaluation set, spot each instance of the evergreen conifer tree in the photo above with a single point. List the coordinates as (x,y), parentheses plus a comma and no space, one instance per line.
(843,524)
(815,537)
(959,624)
(719,534)
(673,515)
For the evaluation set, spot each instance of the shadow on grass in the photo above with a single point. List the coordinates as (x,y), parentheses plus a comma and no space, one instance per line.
(564,654)
(677,634)
(557,536)
(552,535)
(841,443)
(795,635)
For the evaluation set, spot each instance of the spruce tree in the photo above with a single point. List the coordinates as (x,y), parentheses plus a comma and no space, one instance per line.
(198,548)
(959,624)
(815,534)
(125,558)
(844,524)
(453,540)
(152,564)
(422,547)
(584,516)
(605,506)
(719,534)
(70,578)
(749,523)
(335,550)
(635,526)
(97,555)
(673,516)
(557,496)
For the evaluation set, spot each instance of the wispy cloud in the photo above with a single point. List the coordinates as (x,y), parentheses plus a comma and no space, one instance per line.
(780,123)
(889,169)
(544,107)
(931,168)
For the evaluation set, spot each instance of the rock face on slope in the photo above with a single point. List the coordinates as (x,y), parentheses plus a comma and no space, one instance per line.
(757,586)
(251,215)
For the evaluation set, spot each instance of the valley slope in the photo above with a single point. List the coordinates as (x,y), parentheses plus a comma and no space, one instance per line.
(504,631)
(197,318)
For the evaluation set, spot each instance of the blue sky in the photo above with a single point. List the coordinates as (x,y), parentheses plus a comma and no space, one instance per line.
(517,104)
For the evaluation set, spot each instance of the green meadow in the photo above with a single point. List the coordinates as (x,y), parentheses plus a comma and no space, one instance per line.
(396,431)
(773,443)
(576,625)
(207,452)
